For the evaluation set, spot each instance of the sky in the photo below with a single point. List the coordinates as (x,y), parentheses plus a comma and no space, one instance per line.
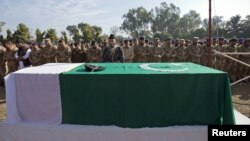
(58,14)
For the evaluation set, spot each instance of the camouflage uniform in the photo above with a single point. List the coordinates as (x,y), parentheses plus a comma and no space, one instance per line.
(193,53)
(95,54)
(35,56)
(63,54)
(243,70)
(230,66)
(157,53)
(128,54)
(179,54)
(168,51)
(218,58)
(9,58)
(142,52)
(48,54)
(2,64)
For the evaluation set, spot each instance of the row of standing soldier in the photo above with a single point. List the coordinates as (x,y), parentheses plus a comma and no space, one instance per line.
(138,52)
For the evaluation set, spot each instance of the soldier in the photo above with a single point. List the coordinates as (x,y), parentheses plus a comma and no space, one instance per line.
(168,50)
(218,58)
(244,70)
(205,53)
(230,65)
(214,41)
(49,52)
(9,57)
(63,53)
(193,51)
(2,65)
(85,49)
(95,52)
(112,53)
(179,53)
(187,43)
(157,51)
(77,53)
(128,52)
(141,51)
(35,55)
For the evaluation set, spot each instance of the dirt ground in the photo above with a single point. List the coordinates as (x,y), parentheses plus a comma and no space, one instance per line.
(240,97)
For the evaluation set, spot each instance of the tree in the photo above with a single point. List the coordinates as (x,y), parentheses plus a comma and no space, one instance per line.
(234,26)
(51,34)
(189,23)
(166,19)
(136,21)
(9,36)
(64,36)
(22,34)
(74,31)
(1,25)
(39,35)
(114,30)
(97,31)
(87,32)
(246,27)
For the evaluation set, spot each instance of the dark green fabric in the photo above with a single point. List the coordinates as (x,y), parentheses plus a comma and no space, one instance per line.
(128,96)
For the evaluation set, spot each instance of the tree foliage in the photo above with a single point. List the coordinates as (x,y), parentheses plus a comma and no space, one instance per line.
(22,34)
(136,21)
(51,34)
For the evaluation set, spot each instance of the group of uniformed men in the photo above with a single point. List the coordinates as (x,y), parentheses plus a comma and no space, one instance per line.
(20,55)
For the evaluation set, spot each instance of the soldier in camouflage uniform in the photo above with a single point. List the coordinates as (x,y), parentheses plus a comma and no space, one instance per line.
(95,52)
(168,50)
(141,51)
(77,53)
(128,52)
(230,65)
(157,51)
(63,53)
(205,53)
(49,52)
(9,57)
(35,55)
(2,65)
(179,53)
(244,70)
(193,51)
(218,58)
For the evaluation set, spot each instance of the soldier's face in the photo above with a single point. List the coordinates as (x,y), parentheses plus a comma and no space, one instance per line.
(141,42)
(221,42)
(233,43)
(156,42)
(126,44)
(182,43)
(112,42)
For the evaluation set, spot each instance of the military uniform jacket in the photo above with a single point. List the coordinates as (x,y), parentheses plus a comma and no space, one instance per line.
(112,54)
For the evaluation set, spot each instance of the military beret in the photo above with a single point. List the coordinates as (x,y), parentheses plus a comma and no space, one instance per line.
(168,39)
(112,36)
(247,39)
(196,38)
(156,39)
(142,38)
(125,40)
(241,39)
(221,38)
(214,38)
(93,43)
(233,40)
(93,68)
